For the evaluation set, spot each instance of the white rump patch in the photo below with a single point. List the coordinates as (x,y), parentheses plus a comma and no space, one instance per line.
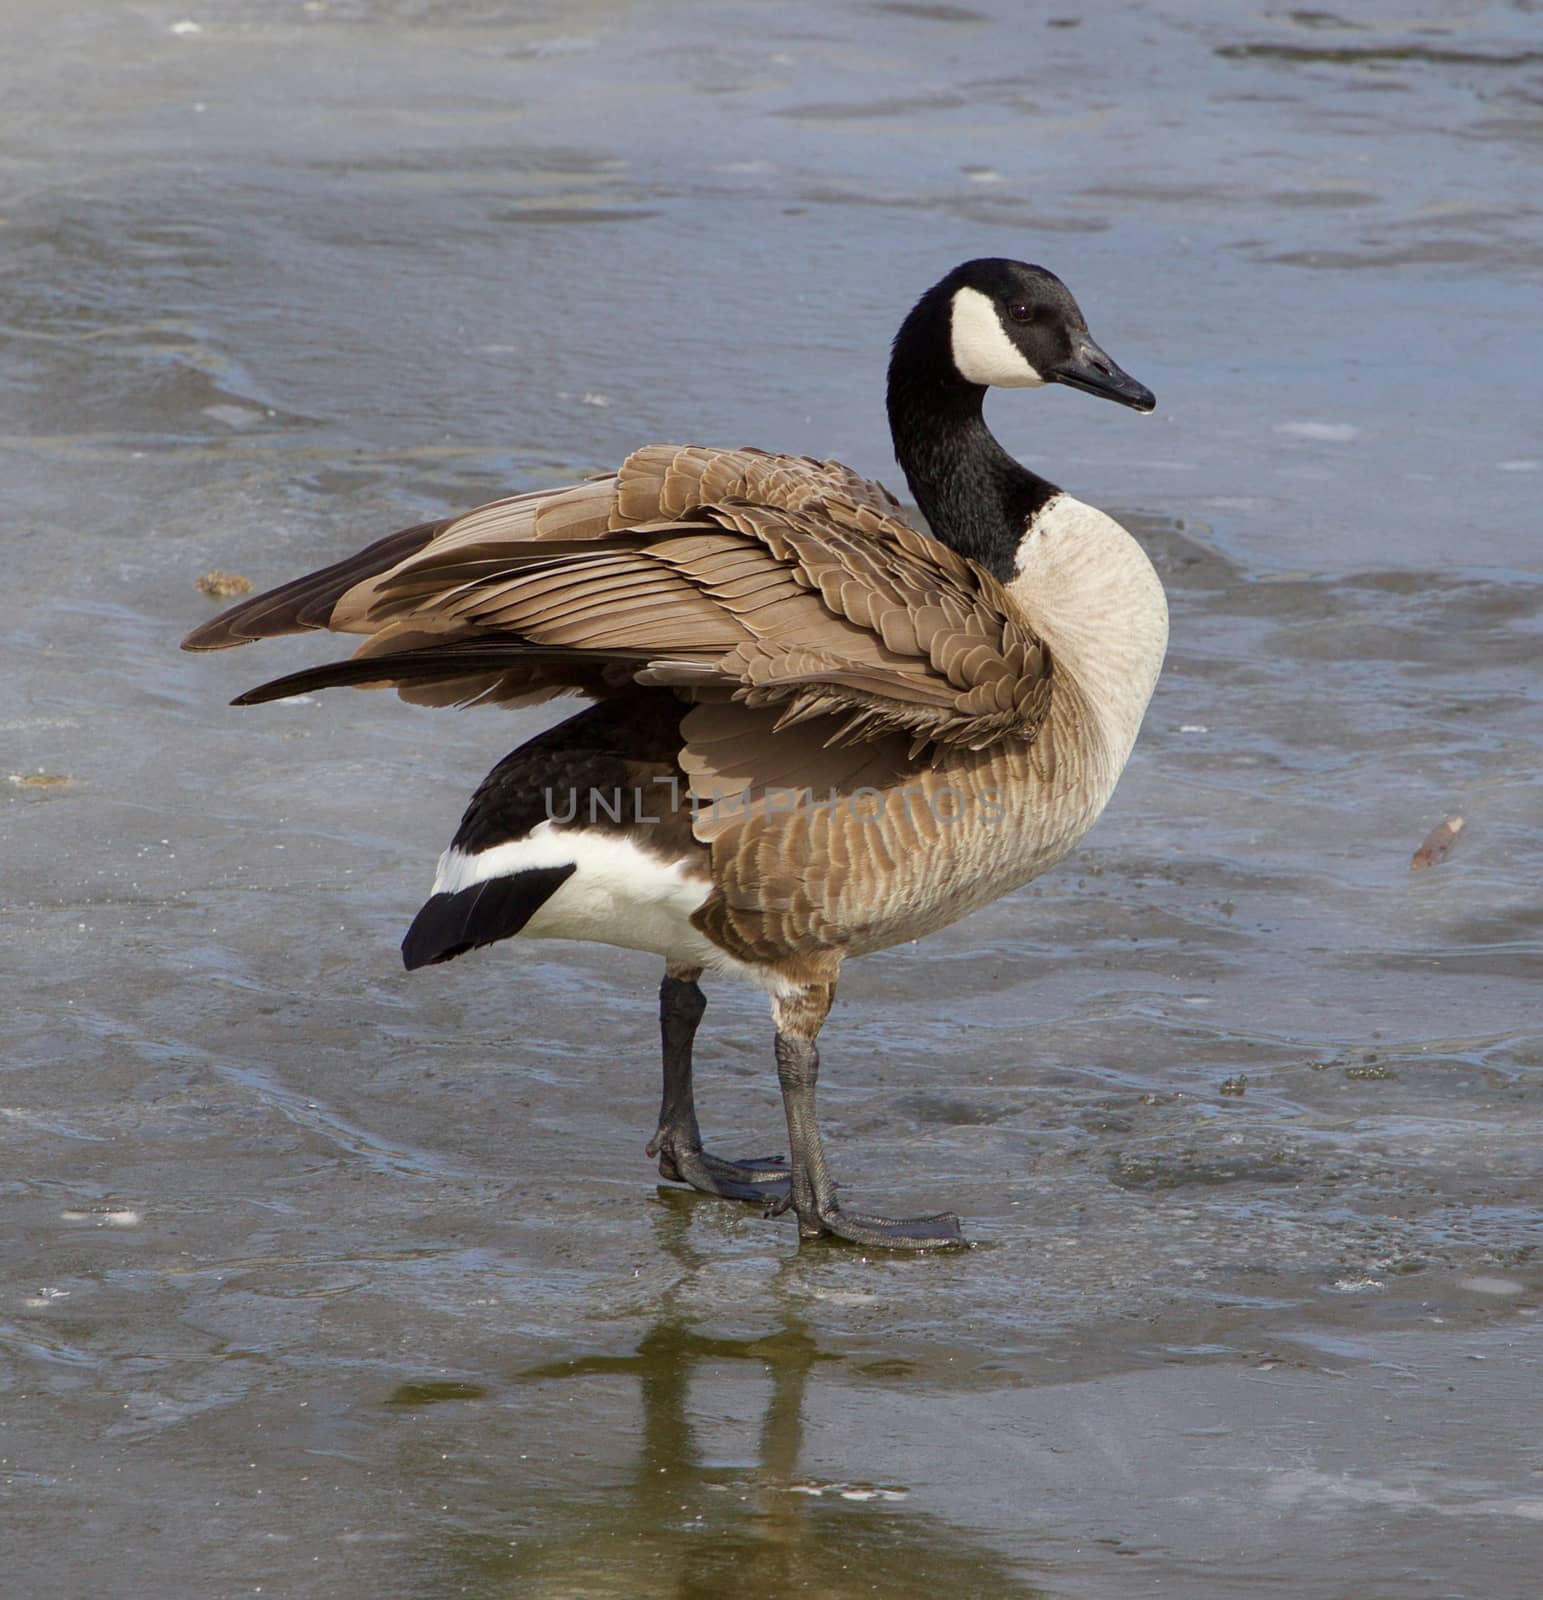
(982,350)
(543,846)
(619,894)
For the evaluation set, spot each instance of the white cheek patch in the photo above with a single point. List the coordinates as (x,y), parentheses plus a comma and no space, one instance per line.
(982,351)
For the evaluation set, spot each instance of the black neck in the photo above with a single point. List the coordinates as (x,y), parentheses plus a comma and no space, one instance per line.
(974,495)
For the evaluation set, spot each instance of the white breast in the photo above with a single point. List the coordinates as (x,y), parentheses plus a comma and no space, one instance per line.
(1088,590)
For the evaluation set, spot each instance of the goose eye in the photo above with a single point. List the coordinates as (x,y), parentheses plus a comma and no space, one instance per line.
(1020,311)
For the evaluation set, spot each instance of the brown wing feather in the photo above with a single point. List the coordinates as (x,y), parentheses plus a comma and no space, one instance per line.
(668,480)
(785,583)
(307,602)
(582,512)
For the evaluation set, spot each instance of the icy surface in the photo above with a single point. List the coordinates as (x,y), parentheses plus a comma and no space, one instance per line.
(321,1280)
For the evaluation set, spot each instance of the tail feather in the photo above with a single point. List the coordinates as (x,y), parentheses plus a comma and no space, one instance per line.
(451,924)
(427,663)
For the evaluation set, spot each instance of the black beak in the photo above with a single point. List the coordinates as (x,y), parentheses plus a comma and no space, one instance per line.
(1090,369)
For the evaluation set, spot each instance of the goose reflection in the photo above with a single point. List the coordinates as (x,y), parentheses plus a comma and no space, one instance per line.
(689,1522)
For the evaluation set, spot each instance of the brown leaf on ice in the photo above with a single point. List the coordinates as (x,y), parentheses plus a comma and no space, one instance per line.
(1438,845)
(222,585)
(41,780)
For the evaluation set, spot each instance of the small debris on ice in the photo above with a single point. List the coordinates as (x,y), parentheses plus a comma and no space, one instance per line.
(41,780)
(222,585)
(1437,846)
(104,1217)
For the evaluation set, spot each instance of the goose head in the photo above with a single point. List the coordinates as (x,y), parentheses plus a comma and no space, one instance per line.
(989,322)
(1014,326)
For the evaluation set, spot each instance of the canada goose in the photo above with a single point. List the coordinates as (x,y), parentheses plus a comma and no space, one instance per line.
(819,732)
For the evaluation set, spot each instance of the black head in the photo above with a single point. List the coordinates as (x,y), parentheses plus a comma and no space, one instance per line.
(994,321)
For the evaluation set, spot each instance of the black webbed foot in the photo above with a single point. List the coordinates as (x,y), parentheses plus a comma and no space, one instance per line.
(759,1179)
(812,1193)
(937,1232)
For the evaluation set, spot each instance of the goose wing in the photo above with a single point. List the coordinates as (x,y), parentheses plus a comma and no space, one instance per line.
(771,581)
(654,484)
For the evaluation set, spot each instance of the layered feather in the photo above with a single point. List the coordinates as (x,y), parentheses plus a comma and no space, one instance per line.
(776,582)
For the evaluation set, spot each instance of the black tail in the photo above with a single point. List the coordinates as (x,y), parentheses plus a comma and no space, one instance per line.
(451,924)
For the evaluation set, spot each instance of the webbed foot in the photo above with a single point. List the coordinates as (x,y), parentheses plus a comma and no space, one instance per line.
(759,1179)
(937,1232)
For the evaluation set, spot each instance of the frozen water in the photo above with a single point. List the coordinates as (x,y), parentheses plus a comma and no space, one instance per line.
(323,1280)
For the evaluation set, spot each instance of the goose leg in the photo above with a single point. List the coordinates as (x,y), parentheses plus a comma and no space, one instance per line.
(678,1142)
(813,1192)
